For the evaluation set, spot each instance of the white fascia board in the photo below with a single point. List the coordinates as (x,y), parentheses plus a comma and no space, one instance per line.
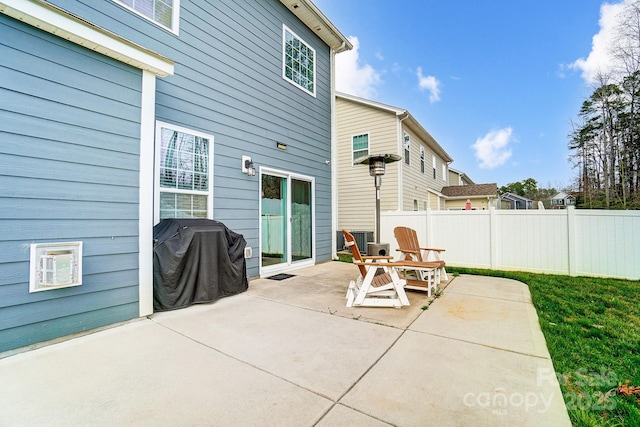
(61,23)
(402,114)
(436,192)
(430,140)
(374,104)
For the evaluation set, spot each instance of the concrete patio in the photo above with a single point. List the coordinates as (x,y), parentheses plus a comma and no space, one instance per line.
(290,353)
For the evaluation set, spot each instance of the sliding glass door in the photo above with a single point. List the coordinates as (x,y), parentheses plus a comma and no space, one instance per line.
(287,232)
(301,221)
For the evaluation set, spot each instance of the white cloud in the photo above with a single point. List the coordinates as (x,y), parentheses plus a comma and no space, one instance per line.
(355,78)
(599,60)
(493,149)
(429,83)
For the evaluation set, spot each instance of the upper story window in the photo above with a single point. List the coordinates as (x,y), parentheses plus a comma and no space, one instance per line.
(433,161)
(360,146)
(422,159)
(444,171)
(163,12)
(298,61)
(407,148)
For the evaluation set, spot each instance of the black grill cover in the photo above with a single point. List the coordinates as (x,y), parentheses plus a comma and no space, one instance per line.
(195,261)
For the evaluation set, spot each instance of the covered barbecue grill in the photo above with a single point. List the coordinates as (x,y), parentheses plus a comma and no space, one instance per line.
(196,261)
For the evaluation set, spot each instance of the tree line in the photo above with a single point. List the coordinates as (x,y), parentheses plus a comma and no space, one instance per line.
(605,143)
(606,146)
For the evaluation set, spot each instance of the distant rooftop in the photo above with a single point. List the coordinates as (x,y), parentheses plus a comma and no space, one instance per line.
(471,190)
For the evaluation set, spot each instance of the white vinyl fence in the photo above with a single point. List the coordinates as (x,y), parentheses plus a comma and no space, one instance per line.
(571,241)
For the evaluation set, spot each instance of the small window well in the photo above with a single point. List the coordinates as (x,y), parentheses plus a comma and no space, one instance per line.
(55,265)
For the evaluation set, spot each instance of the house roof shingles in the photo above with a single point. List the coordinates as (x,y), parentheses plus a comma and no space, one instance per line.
(473,190)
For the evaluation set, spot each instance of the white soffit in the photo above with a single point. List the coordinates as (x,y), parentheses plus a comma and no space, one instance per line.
(61,23)
(313,18)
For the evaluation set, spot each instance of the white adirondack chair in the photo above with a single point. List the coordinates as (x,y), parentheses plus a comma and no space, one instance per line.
(378,284)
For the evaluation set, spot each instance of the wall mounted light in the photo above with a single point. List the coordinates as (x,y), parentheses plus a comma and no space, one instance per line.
(247,166)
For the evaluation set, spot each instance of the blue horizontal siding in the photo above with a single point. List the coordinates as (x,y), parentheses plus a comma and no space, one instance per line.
(55,328)
(56,229)
(17,272)
(27,209)
(116,139)
(69,146)
(229,83)
(11,295)
(33,188)
(18,251)
(40,311)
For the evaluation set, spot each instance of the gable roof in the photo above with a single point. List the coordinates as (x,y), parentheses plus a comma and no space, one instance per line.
(408,120)
(313,18)
(463,175)
(562,196)
(471,190)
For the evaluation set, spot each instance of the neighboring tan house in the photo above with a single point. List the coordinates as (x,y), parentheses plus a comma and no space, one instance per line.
(365,127)
(562,200)
(514,201)
(481,196)
(458,178)
(116,114)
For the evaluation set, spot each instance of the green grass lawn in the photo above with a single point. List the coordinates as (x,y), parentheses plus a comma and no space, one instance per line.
(592,330)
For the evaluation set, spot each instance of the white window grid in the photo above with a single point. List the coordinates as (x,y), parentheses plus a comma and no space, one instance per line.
(188,191)
(298,61)
(359,146)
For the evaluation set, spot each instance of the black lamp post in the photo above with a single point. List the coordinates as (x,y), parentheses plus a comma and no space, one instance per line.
(377,164)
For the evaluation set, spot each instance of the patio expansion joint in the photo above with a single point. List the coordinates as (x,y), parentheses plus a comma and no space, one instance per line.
(244,362)
(483,345)
(338,401)
(331,312)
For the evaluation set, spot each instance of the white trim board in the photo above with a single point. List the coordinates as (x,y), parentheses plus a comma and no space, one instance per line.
(63,24)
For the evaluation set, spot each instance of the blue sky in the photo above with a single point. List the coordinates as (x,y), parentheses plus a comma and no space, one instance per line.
(497,82)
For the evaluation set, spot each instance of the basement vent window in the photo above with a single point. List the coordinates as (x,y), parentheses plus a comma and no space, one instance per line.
(55,266)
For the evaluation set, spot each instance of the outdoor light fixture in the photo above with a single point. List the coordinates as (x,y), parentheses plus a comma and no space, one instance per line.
(377,164)
(247,166)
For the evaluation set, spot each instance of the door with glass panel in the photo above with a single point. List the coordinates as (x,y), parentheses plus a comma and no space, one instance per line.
(286,221)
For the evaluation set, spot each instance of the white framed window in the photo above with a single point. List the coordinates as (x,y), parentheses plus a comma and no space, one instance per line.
(433,161)
(415,204)
(360,146)
(422,159)
(184,173)
(444,171)
(407,148)
(165,13)
(298,61)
